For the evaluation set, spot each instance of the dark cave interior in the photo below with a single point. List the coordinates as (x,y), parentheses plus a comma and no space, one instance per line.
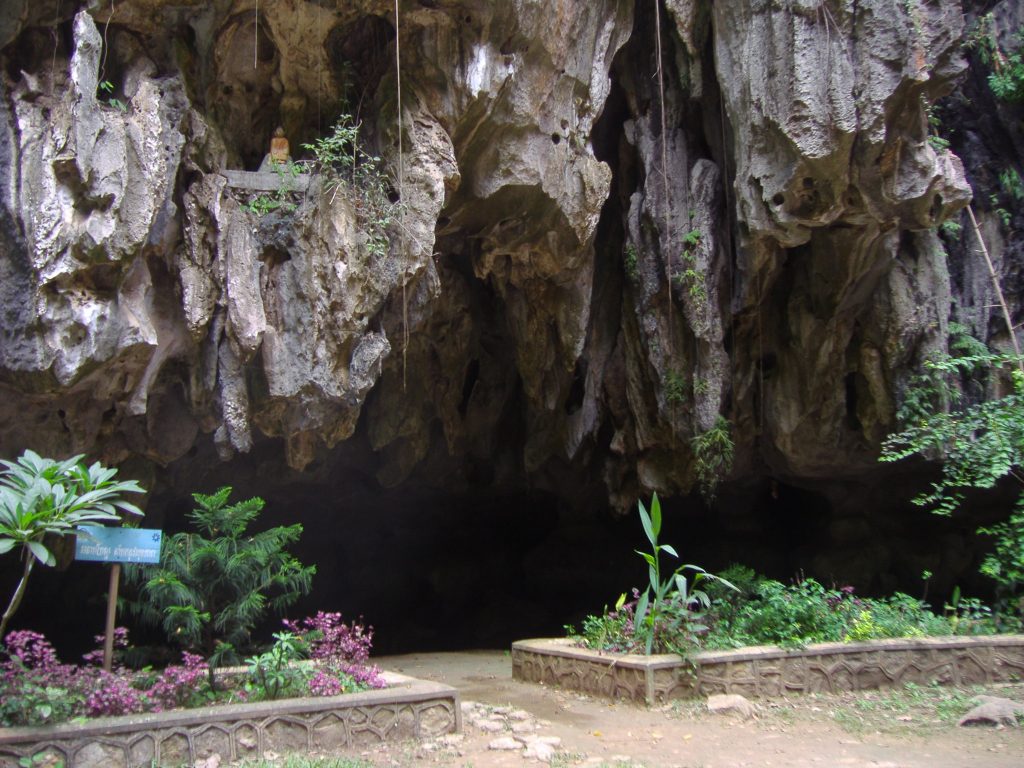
(436,570)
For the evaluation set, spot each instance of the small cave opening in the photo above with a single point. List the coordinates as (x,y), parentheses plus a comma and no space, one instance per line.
(360,54)
(39,51)
(245,94)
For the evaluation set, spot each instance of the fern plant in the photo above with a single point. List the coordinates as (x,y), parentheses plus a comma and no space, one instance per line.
(1006,81)
(213,587)
(712,455)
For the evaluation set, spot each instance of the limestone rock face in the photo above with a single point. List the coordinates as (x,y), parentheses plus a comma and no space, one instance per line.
(612,227)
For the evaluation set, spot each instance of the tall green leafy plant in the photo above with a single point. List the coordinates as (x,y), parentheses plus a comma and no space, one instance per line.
(42,497)
(665,598)
(212,587)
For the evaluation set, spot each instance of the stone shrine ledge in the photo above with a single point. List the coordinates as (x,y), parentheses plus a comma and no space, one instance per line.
(267,181)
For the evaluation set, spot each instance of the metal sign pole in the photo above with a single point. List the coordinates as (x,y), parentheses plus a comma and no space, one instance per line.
(108,637)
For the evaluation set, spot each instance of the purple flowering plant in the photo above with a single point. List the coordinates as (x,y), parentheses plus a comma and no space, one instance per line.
(341,652)
(36,688)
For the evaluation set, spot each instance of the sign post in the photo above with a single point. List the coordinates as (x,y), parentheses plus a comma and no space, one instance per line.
(100,544)
(108,634)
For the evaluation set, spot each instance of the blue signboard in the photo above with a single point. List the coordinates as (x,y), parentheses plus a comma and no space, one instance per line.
(118,545)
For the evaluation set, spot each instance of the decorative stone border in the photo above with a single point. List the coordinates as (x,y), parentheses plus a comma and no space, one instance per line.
(771,671)
(406,709)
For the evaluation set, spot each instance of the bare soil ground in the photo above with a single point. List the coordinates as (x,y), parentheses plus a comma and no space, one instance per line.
(913,727)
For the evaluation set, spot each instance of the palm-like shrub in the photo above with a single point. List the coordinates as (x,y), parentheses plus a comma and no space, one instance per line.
(42,497)
(212,587)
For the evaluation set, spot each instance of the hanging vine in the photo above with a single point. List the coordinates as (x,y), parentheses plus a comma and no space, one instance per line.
(664,171)
(401,199)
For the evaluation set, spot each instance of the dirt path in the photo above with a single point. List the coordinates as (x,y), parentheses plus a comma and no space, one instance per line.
(912,728)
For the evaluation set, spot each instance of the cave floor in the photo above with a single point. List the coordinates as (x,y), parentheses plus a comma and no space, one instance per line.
(909,728)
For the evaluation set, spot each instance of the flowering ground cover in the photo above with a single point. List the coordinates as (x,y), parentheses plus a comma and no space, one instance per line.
(37,688)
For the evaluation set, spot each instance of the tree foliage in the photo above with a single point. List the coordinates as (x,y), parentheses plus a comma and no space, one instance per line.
(42,497)
(212,587)
(977,443)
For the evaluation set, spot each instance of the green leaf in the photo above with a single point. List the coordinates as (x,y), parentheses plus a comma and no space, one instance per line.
(670,550)
(681,586)
(645,521)
(641,611)
(655,517)
(41,553)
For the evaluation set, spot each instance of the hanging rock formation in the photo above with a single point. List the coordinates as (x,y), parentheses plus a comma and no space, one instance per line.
(617,226)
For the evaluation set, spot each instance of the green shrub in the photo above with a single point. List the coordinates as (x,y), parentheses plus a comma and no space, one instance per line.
(213,587)
(790,616)
(340,157)
(806,612)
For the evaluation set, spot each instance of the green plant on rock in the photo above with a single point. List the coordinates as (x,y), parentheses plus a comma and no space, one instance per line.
(962,343)
(107,89)
(951,229)
(713,455)
(691,277)
(1007,77)
(281,199)
(349,169)
(213,587)
(1011,184)
(675,387)
(1006,81)
(41,497)
(629,263)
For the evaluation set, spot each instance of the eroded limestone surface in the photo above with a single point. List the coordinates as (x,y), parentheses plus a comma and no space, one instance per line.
(615,226)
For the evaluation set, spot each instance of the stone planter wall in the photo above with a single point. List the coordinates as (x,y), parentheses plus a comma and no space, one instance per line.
(406,709)
(771,671)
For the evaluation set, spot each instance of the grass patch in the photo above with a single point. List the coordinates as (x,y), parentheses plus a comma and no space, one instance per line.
(908,708)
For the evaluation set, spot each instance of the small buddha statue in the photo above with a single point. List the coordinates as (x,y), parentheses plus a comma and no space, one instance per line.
(280,152)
